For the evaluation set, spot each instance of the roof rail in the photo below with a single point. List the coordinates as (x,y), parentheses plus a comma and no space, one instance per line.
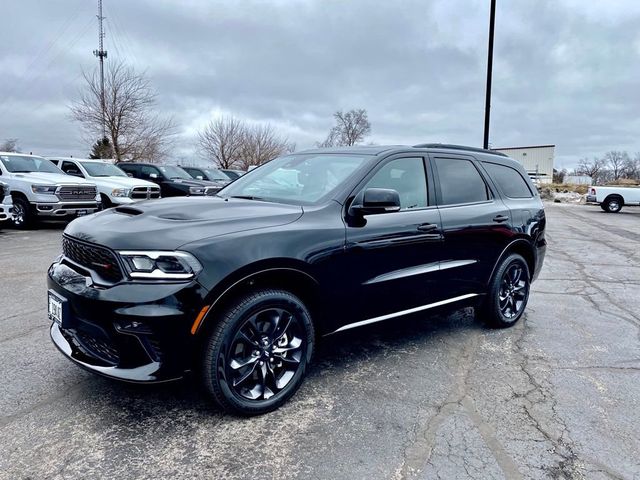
(459,147)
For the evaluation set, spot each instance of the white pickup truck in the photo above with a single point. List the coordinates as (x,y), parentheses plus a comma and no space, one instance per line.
(40,189)
(114,185)
(612,199)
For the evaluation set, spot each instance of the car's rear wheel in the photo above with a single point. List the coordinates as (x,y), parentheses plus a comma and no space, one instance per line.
(256,356)
(612,204)
(22,215)
(508,293)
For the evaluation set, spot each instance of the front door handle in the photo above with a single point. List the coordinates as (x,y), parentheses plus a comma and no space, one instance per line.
(427,227)
(500,218)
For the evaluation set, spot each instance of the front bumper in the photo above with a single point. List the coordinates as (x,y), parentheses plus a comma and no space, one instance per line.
(131,332)
(6,209)
(63,209)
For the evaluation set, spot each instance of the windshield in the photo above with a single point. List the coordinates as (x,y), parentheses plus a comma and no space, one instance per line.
(100,169)
(175,172)
(214,174)
(297,179)
(24,164)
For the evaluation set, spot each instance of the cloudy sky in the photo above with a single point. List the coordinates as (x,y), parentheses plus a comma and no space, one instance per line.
(566,72)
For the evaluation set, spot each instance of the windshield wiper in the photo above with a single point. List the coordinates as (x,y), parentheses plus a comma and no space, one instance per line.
(246,197)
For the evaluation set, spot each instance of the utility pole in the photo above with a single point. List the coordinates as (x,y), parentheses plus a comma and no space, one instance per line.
(101,53)
(487,104)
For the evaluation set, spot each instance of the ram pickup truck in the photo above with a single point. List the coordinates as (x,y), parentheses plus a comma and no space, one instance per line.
(114,185)
(6,204)
(612,199)
(40,189)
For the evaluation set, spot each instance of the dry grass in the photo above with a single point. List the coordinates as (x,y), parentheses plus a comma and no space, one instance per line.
(567,187)
(625,182)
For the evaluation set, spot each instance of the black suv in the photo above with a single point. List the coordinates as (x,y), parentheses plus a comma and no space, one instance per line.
(209,174)
(173,180)
(239,286)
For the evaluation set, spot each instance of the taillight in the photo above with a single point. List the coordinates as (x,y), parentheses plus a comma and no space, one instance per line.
(593,191)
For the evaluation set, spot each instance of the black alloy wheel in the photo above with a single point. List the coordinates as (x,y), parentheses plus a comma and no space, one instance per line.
(508,292)
(513,291)
(257,354)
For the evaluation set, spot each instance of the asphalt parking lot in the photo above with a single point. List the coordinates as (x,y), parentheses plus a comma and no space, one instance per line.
(557,396)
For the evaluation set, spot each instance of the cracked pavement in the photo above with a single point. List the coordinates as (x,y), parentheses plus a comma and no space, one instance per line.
(556,396)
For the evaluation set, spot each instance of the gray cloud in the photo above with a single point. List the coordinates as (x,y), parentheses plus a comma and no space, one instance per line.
(565,72)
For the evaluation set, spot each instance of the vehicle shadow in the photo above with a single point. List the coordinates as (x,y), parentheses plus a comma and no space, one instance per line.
(135,403)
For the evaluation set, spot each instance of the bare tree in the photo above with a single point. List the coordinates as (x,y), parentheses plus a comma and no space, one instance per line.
(632,167)
(350,128)
(222,140)
(9,145)
(616,160)
(133,129)
(592,168)
(260,144)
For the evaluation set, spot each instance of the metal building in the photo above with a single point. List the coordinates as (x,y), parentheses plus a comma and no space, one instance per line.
(536,159)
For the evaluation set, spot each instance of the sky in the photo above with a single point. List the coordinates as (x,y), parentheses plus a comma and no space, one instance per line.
(566,72)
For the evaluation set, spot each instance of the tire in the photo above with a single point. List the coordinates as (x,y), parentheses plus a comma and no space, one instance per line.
(23,217)
(256,355)
(105,202)
(612,204)
(508,293)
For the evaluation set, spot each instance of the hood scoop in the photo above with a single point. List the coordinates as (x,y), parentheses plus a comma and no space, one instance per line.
(128,211)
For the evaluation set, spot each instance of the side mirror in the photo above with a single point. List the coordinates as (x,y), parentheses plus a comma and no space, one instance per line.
(374,201)
(153,176)
(199,177)
(129,174)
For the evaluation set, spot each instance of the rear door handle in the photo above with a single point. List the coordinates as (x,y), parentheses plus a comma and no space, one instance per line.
(427,227)
(500,218)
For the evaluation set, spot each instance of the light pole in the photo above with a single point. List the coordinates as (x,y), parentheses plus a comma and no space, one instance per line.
(487,104)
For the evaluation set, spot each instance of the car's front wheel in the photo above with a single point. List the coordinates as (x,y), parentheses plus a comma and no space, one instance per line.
(256,355)
(22,215)
(508,292)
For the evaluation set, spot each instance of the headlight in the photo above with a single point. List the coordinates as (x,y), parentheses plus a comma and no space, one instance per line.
(120,192)
(44,189)
(196,190)
(155,265)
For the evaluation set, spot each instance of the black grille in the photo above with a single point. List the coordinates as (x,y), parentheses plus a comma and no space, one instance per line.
(99,259)
(97,348)
(77,192)
(140,193)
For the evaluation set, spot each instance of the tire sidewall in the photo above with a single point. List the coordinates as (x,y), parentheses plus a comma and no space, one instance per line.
(235,318)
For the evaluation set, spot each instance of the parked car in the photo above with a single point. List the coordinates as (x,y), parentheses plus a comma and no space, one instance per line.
(233,174)
(6,204)
(173,180)
(612,199)
(114,185)
(240,287)
(210,174)
(40,189)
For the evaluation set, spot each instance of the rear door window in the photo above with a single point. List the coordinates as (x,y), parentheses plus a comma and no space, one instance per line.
(510,181)
(460,182)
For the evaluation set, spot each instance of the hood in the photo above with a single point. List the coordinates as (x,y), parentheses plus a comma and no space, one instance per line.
(124,182)
(52,178)
(169,223)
